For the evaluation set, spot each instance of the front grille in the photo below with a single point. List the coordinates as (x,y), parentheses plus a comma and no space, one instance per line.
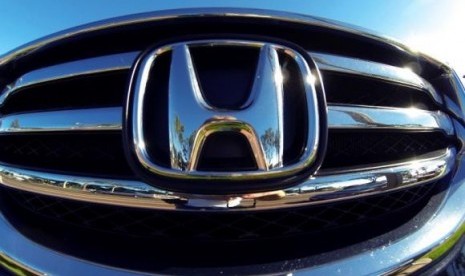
(61,112)
(378,113)
(101,154)
(222,226)
(98,154)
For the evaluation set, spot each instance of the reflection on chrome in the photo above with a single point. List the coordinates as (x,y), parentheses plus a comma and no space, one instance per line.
(360,117)
(402,251)
(339,117)
(16,267)
(72,69)
(370,69)
(318,189)
(456,104)
(191,120)
(95,119)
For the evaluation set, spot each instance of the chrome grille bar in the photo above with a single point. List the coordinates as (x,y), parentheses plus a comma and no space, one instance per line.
(353,66)
(318,189)
(339,117)
(360,117)
(71,69)
(95,119)
(124,61)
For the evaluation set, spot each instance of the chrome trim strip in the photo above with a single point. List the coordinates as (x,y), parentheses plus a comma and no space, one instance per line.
(15,267)
(455,101)
(416,249)
(423,244)
(346,65)
(204,12)
(379,118)
(339,117)
(317,189)
(71,69)
(96,119)
(122,61)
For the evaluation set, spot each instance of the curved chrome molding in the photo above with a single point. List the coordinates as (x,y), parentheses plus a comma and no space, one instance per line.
(15,267)
(71,69)
(417,248)
(404,76)
(423,244)
(317,189)
(339,117)
(456,103)
(123,61)
(95,119)
(203,12)
(412,119)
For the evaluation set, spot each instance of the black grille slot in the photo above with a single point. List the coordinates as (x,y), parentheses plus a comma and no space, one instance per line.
(221,226)
(357,90)
(98,90)
(346,149)
(98,154)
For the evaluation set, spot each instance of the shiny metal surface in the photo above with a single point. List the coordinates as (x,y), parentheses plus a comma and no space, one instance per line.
(363,68)
(122,61)
(339,117)
(317,189)
(72,69)
(419,244)
(15,267)
(192,119)
(404,253)
(96,119)
(191,116)
(456,104)
(411,119)
(427,243)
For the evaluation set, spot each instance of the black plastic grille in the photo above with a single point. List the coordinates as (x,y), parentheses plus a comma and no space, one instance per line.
(98,154)
(220,226)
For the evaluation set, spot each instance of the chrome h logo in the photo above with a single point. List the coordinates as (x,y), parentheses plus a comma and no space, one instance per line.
(190,114)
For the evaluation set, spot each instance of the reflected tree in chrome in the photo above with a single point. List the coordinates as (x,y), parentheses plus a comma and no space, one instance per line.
(270,143)
(179,158)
